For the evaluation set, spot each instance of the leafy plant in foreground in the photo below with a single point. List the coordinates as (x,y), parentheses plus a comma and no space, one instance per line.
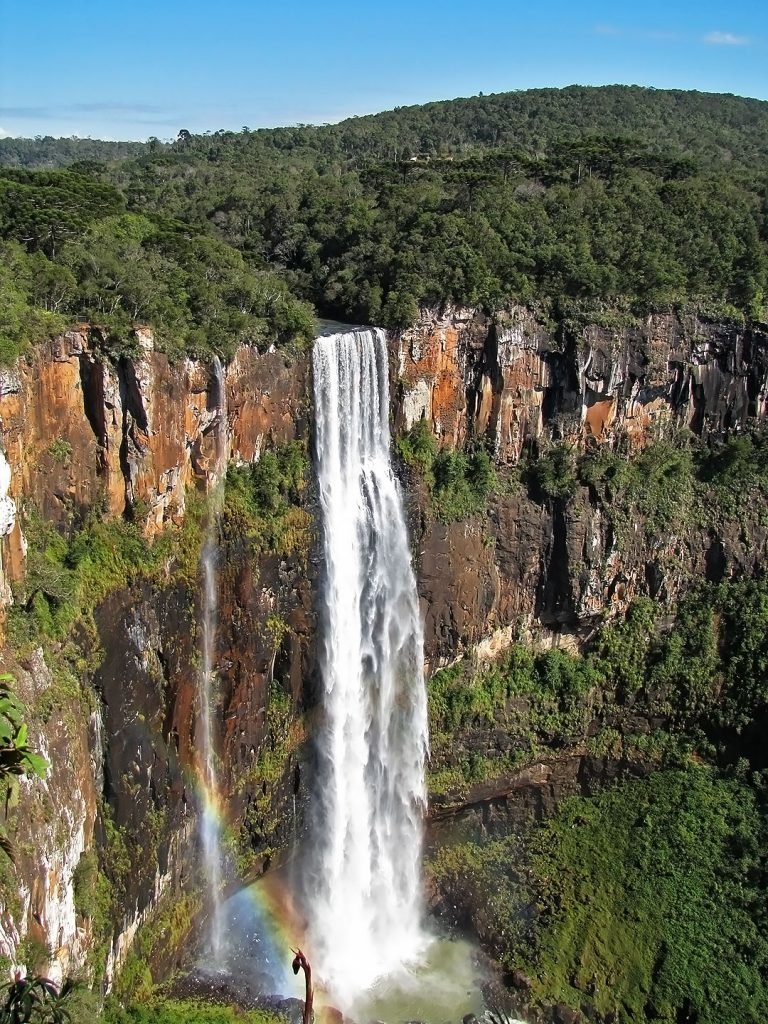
(16,756)
(35,1001)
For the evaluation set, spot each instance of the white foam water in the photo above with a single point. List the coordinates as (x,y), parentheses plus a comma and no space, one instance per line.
(210,828)
(365,904)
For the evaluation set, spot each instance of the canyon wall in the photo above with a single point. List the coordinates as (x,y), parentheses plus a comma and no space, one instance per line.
(514,377)
(514,383)
(83,433)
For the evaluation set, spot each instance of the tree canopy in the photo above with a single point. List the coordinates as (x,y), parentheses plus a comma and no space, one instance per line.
(622,197)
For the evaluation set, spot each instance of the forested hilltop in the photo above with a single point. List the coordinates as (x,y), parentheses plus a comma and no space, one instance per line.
(45,152)
(713,127)
(613,201)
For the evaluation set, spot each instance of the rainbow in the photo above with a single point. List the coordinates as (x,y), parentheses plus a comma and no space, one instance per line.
(265,907)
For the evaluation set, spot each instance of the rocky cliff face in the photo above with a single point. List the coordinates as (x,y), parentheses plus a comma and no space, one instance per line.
(80,429)
(534,570)
(81,432)
(513,378)
(512,381)
(55,821)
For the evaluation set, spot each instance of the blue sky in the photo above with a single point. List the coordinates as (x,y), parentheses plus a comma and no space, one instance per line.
(114,69)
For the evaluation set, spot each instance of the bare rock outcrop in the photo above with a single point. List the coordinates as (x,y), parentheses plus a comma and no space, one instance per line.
(514,377)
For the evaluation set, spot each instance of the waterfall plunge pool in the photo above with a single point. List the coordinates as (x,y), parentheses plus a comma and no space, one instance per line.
(441,988)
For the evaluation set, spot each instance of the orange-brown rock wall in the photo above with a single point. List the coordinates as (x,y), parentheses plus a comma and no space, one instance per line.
(83,434)
(80,431)
(513,378)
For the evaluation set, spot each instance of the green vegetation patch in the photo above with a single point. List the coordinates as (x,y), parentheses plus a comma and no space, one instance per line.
(669,486)
(69,574)
(165,932)
(263,501)
(457,696)
(459,483)
(645,901)
(69,251)
(656,485)
(651,902)
(532,700)
(265,811)
(702,679)
(186,1011)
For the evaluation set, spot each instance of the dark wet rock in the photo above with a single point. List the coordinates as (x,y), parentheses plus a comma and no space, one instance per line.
(521,980)
(563,1014)
(291,1009)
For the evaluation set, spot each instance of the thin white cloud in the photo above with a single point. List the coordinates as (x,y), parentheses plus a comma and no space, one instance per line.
(617,32)
(3,133)
(725,39)
(75,113)
(608,30)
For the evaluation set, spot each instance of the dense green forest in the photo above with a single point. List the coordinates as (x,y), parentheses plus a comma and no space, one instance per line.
(46,153)
(590,199)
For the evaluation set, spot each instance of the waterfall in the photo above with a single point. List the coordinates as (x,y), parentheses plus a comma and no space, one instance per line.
(365,903)
(210,827)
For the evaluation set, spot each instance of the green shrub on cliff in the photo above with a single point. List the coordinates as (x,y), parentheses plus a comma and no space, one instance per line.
(655,487)
(621,648)
(459,483)
(672,485)
(418,446)
(741,610)
(706,672)
(534,699)
(734,479)
(69,573)
(553,474)
(460,695)
(263,501)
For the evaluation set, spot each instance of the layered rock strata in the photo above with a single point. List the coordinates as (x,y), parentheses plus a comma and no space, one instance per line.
(513,377)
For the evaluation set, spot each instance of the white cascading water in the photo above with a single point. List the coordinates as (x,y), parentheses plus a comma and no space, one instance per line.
(210,822)
(365,907)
